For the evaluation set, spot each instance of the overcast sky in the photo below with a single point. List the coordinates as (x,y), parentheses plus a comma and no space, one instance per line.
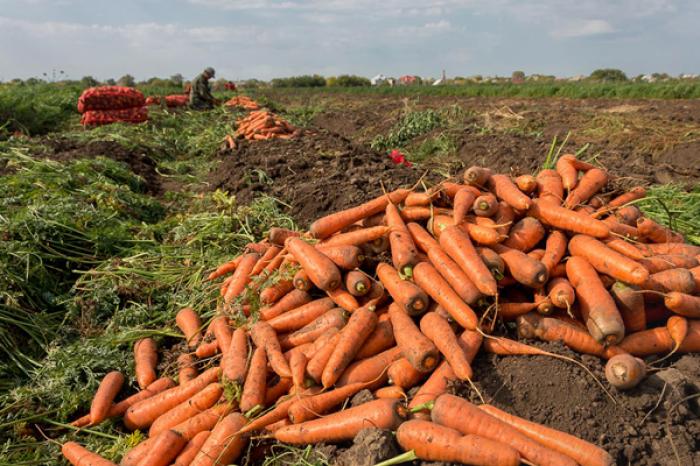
(266,39)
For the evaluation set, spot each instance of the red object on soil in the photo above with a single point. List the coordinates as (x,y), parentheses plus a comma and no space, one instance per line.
(106,117)
(398,158)
(110,98)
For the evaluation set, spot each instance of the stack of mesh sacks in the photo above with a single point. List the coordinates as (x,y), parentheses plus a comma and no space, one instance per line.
(111,104)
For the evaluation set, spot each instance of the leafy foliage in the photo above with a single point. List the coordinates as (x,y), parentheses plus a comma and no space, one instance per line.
(412,125)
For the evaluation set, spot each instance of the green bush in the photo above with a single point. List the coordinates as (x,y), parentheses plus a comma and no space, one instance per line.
(300,81)
(411,126)
(608,74)
(346,80)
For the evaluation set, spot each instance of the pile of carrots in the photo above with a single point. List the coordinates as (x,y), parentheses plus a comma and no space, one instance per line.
(404,291)
(242,101)
(262,125)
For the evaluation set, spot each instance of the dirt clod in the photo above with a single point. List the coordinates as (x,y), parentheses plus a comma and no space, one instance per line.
(370,446)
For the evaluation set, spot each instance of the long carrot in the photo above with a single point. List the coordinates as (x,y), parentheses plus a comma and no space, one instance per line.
(562,293)
(344,425)
(465,417)
(266,259)
(477,176)
(437,288)
(359,237)
(199,402)
(326,226)
(406,294)
(145,358)
(624,247)
(584,453)
(459,247)
(680,280)
(381,339)
(403,249)
(597,306)
(421,237)
(318,361)
(454,275)
(438,330)
(463,201)
(225,268)
(241,276)
(278,236)
(591,182)
(305,409)
(222,333)
(359,327)
(295,319)
(402,374)
(334,318)
(166,446)
(253,393)
(188,454)
(607,261)
(186,368)
(265,336)
(415,346)
(507,191)
(550,329)
(656,233)
(372,369)
(550,187)
(223,446)
(346,257)
(104,396)
(433,442)
(291,300)
(683,304)
(525,234)
(648,342)
(143,413)
(570,220)
(321,270)
(78,455)
(524,269)
(188,321)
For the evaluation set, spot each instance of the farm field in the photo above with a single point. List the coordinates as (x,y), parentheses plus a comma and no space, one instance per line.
(107,233)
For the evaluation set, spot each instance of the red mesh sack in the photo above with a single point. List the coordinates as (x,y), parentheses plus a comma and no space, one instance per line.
(177,100)
(110,98)
(106,117)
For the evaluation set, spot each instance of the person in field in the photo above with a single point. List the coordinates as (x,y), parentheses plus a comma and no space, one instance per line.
(201,97)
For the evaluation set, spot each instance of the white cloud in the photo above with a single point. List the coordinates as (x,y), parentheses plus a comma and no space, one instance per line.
(591,27)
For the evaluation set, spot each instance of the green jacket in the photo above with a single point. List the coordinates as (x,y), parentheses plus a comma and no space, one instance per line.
(200,95)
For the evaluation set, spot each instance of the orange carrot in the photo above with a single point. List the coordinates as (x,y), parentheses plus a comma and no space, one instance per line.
(164,449)
(485,205)
(391,392)
(458,246)
(402,374)
(134,456)
(662,262)
(265,336)
(407,295)
(241,276)
(565,219)
(188,322)
(607,261)
(344,425)
(677,327)
(484,231)
(630,303)
(415,346)
(276,291)
(438,330)
(77,455)
(233,363)
(555,250)
(437,288)
(143,413)
(222,332)
(524,269)
(464,199)
(420,199)
(346,257)
(297,318)
(597,306)
(628,214)
(459,414)
(656,233)
(254,387)
(146,358)
(681,280)
(187,455)
(591,182)
(550,187)
(372,369)
(673,248)
(683,304)
(561,293)
(223,446)
(359,327)
(343,299)
(326,226)
(624,247)
(507,191)
(476,176)
(318,361)
(510,310)
(620,229)
(357,283)
(291,300)
(421,237)
(278,236)
(225,268)
(454,275)
(507,347)
(624,371)
(280,387)
(308,333)
(648,342)
(311,407)
(433,442)
(551,329)
(525,234)
(584,453)
(403,250)
(357,237)
(104,396)
(186,369)
(265,259)
(381,339)
(321,270)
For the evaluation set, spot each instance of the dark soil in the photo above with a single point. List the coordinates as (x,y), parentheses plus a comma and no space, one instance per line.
(140,161)
(314,175)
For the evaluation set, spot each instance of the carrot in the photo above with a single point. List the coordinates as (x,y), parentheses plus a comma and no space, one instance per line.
(628,215)
(691,343)
(656,233)
(421,237)
(241,276)
(187,455)
(188,322)
(233,363)
(463,201)
(437,288)
(320,269)
(186,369)
(278,236)
(311,407)
(346,257)
(280,387)
(357,283)
(683,304)
(544,303)
(565,219)
(223,446)
(225,268)
(510,311)
(507,347)
(484,231)
(143,413)
(555,249)
(673,248)
(222,332)
(525,234)
(297,318)
(624,371)
(420,199)
(318,361)
(681,280)
(164,449)
(199,402)
(297,364)
(459,414)
(415,346)
(265,260)
(584,453)
(120,408)
(662,262)
(597,306)
(403,250)
(104,396)
(343,299)
(292,300)
(470,341)
(550,186)
(402,374)
(607,261)
(677,327)
(433,442)
(438,330)
(695,272)
(624,247)
(648,342)
(344,425)
(485,205)
(561,293)
(77,455)
(253,393)
(477,176)
(591,182)
(459,247)
(525,270)
(504,218)
(371,369)
(620,229)
(630,303)
(145,358)
(505,190)
(134,456)
(638,192)
(265,336)
(406,294)
(357,237)
(454,275)
(536,254)
(359,327)
(276,291)
(308,333)
(326,226)
(381,339)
